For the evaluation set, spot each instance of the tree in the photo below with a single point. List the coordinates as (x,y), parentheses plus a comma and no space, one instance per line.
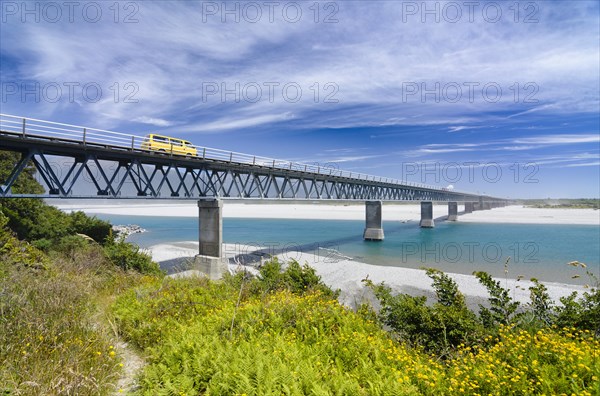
(33,220)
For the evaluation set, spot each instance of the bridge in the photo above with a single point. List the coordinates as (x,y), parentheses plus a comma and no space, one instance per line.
(78,162)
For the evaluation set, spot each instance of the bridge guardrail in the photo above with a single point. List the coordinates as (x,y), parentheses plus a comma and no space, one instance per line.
(31,127)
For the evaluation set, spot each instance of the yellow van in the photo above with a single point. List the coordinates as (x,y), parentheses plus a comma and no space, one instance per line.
(169,145)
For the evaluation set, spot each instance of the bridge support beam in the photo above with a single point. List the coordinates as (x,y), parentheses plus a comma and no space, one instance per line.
(452,211)
(469,207)
(374,226)
(427,215)
(209,259)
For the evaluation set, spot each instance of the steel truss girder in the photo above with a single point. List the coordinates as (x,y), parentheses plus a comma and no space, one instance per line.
(134,177)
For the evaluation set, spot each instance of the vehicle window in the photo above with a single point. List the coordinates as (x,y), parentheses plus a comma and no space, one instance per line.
(176,142)
(160,139)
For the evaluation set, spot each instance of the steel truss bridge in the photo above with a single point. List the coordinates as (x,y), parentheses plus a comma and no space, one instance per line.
(79,162)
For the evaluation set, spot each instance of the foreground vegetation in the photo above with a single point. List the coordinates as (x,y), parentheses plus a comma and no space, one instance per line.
(283,332)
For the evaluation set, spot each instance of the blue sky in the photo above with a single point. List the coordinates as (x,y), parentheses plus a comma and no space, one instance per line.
(495,97)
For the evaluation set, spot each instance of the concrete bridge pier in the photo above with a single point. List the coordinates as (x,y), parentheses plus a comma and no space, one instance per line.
(374,226)
(452,211)
(209,259)
(427,215)
(469,207)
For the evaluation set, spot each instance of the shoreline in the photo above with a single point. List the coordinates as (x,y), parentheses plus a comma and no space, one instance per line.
(346,274)
(515,214)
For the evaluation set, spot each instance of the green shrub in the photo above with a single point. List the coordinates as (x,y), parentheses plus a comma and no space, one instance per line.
(45,245)
(16,252)
(439,328)
(129,257)
(502,307)
(25,183)
(542,306)
(446,289)
(272,276)
(582,313)
(96,229)
(71,244)
(33,219)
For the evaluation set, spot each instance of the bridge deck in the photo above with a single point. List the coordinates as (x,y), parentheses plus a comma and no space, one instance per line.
(105,164)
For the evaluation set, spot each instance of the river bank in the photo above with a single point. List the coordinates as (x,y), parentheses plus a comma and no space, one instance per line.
(346,274)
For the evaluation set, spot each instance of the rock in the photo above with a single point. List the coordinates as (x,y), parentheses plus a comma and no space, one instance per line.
(126,230)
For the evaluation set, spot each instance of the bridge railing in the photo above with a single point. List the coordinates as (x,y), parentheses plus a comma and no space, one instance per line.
(35,128)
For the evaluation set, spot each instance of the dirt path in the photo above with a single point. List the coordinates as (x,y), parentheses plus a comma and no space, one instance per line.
(132,364)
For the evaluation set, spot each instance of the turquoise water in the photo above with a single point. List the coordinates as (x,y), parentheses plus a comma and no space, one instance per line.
(535,250)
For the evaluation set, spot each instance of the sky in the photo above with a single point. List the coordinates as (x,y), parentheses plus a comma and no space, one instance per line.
(491,97)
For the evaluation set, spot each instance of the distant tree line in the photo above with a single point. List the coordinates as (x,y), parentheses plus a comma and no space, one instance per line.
(579,203)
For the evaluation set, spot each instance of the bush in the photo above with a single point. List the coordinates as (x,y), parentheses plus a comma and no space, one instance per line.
(542,306)
(503,308)
(45,245)
(71,244)
(18,253)
(33,219)
(273,277)
(582,313)
(99,230)
(299,279)
(439,328)
(129,257)
(543,362)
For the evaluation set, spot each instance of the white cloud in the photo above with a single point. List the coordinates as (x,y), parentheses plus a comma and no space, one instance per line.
(370,55)
(228,123)
(459,128)
(153,121)
(352,158)
(596,163)
(559,139)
